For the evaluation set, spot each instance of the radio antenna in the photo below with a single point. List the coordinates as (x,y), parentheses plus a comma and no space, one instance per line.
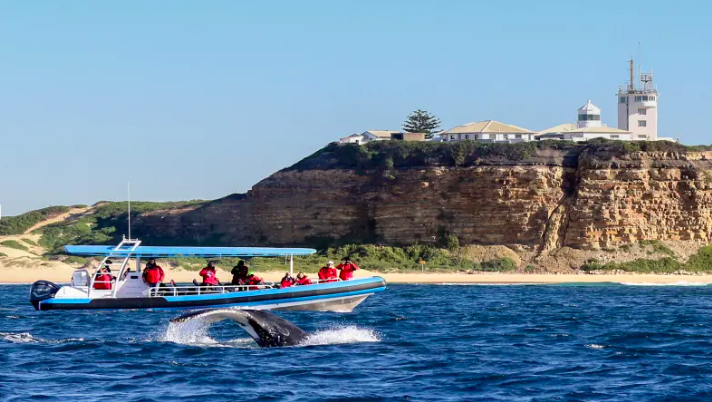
(128,190)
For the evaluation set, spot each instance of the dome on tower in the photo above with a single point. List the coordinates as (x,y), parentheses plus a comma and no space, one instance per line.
(589,108)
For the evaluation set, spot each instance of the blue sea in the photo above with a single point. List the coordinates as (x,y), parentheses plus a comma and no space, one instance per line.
(411,342)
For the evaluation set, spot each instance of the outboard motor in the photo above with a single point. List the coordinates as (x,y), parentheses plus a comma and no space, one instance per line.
(42,290)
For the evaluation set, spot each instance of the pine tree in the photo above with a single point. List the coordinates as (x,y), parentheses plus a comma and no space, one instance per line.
(421,121)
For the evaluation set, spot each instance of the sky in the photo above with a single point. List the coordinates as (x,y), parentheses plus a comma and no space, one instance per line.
(201,99)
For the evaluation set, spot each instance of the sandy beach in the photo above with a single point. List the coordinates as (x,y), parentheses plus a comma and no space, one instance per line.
(61,273)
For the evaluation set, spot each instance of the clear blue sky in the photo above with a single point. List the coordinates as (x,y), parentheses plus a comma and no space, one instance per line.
(200,99)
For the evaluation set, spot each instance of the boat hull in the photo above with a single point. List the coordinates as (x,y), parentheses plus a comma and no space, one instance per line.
(336,296)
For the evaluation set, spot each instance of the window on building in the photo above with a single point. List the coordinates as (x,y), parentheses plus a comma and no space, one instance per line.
(452,137)
(517,136)
(589,117)
(652,98)
(643,111)
(642,123)
(467,136)
(642,136)
(622,99)
(615,136)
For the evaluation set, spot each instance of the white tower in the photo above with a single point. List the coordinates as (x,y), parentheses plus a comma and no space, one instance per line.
(638,107)
(589,115)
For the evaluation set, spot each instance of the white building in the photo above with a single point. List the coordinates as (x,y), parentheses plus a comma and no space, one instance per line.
(381,135)
(587,127)
(488,131)
(368,136)
(638,106)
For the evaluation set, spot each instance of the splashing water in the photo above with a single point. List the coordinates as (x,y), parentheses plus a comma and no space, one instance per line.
(195,332)
(339,335)
(191,332)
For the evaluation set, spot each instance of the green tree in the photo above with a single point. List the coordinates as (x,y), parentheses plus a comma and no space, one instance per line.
(421,121)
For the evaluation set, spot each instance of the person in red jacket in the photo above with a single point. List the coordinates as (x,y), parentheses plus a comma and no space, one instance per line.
(287,281)
(103,279)
(328,273)
(253,279)
(209,276)
(303,279)
(347,269)
(153,274)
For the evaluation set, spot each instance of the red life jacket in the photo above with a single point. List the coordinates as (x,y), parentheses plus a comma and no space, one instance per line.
(153,275)
(327,274)
(287,283)
(253,280)
(347,270)
(102,281)
(209,277)
(304,281)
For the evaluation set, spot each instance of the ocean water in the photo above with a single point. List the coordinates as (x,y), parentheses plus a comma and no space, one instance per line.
(411,342)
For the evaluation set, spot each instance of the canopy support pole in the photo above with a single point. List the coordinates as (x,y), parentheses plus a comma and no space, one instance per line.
(291,265)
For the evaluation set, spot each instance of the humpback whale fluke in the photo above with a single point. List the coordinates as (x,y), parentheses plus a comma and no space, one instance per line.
(267,329)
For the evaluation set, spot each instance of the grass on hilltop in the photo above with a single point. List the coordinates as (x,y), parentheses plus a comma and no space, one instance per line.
(102,226)
(15,225)
(387,155)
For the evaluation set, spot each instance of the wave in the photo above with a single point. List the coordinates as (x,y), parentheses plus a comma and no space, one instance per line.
(26,337)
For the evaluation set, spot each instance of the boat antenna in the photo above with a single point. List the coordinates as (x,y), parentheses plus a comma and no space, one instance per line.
(128,190)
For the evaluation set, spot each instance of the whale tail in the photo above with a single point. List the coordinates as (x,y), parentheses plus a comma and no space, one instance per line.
(267,329)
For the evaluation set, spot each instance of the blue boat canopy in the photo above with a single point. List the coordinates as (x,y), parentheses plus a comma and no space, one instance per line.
(162,252)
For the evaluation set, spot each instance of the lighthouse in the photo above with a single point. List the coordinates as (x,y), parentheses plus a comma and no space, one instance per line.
(638,106)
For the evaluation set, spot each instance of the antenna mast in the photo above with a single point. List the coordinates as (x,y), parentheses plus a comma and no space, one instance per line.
(632,74)
(128,188)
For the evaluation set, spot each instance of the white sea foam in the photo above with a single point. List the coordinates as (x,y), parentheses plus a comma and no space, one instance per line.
(679,283)
(195,332)
(339,335)
(594,346)
(26,337)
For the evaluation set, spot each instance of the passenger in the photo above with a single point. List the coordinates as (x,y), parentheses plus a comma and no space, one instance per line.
(103,279)
(303,279)
(252,280)
(153,274)
(239,273)
(209,276)
(287,281)
(328,273)
(347,269)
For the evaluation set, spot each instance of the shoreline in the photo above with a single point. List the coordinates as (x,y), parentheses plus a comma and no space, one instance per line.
(63,273)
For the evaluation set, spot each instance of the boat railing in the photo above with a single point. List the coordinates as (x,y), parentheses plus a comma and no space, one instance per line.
(182,290)
(168,290)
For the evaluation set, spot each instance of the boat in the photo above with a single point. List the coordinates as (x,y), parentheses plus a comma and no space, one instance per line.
(128,290)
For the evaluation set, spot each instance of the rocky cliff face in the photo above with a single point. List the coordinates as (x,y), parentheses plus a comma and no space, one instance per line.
(577,197)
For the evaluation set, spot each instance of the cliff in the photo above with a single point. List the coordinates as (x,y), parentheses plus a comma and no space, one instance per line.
(538,197)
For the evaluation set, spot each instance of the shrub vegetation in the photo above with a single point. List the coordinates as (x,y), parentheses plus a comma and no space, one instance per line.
(14,244)
(15,225)
(698,262)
